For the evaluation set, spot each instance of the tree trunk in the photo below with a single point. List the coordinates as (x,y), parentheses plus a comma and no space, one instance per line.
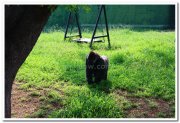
(23,25)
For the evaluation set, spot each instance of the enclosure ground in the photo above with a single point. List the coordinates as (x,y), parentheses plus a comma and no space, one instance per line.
(22,103)
(141,78)
(25,103)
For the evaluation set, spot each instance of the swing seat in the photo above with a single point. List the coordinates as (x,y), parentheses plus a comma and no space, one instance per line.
(86,40)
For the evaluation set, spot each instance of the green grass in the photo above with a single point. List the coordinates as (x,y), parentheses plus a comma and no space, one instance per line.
(142,62)
(35,94)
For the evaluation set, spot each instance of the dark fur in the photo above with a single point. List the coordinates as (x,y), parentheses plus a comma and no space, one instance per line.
(96,67)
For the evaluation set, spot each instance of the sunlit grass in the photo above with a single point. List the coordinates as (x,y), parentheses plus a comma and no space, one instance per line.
(142,62)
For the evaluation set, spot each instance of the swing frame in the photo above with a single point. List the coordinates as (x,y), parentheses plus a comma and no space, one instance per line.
(93,38)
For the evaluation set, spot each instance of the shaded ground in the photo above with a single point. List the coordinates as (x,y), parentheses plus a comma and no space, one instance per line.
(26,103)
(23,103)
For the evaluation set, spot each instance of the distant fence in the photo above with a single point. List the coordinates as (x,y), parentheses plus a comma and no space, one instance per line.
(129,26)
(121,16)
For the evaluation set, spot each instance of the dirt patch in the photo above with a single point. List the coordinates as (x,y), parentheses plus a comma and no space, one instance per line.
(22,103)
(150,108)
(25,103)
(146,107)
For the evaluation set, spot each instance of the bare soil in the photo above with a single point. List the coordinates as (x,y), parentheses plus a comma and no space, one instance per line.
(22,103)
(146,107)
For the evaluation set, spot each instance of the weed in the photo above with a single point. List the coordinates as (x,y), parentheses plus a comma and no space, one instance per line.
(162,115)
(152,104)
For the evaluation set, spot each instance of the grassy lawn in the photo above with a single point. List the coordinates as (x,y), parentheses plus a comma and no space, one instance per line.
(141,76)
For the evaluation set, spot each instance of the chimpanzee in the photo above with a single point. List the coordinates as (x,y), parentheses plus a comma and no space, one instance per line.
(96,67)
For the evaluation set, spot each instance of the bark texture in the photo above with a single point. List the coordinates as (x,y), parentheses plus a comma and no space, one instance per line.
(23,25)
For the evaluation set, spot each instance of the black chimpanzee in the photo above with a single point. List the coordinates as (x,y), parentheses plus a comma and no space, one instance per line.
(96,67)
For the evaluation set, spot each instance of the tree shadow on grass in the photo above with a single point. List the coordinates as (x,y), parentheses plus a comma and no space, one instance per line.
(103,86)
